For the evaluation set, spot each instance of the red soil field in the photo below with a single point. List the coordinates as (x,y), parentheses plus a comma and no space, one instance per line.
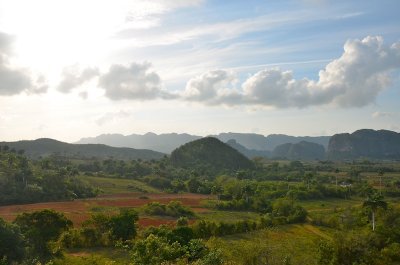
(79,210)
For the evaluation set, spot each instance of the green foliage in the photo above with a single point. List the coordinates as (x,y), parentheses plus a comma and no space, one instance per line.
(173,246)
(123,225)
(351,248)
(209,155)
(11,243)
(102,230)
(154,250)
(24,181)
(173,208)
(213,257)
(41,228)
(287,209)
(182,221)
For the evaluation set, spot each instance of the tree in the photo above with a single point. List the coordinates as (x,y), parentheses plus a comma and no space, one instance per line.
(155,250)
(307,179)
(11,243)
(41,228)
(123,226)
(182,221)
(373,202)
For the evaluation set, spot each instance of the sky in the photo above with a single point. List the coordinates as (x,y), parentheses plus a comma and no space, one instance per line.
(73,69)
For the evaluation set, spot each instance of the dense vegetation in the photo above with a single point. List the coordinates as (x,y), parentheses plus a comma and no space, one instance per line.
(211,153)
(248,212)
(24,181)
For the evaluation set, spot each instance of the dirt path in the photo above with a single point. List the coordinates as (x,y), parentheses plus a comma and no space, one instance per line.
(315,231)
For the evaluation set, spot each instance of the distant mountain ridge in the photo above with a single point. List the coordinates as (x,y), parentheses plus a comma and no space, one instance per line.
(365,143)
(166,143)
(273,140)
(300,151)
(44,147)
(250,153)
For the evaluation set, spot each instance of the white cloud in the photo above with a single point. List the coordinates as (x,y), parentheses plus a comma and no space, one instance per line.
(209,86)
(112,116)
(14,79)
(382,114)
(73,77)
(146,14)
(353,80)
(135,81)
(216,31)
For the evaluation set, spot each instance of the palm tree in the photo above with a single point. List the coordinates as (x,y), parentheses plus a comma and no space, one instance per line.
(373,202)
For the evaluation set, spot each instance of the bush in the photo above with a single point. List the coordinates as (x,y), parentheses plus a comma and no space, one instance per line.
(283,208)
(173,209)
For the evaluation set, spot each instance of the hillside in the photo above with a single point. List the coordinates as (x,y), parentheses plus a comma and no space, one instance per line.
(45,147)
(300,151)
(248,140)
(366,143)
(273,140)
(209,152)
(250,153)
(164,143)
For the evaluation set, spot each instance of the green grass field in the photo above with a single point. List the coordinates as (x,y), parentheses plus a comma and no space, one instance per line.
(289,244)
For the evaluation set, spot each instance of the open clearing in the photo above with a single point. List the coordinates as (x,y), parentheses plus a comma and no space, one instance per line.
(79,210)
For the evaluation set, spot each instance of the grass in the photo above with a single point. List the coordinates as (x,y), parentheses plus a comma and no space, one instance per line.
(227,216)
(330,204)
(95,256)
(117,185)
(293,244)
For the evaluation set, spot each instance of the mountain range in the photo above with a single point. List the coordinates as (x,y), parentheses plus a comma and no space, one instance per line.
(166,143)
(365,143)
(45,147)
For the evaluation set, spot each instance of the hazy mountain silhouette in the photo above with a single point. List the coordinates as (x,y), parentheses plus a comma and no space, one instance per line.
(167,142)
(44,147)
(164,143)
(250,153)
(365,143)
(300,151)
(273,140)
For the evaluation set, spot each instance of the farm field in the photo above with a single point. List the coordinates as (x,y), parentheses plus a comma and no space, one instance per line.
(79,210)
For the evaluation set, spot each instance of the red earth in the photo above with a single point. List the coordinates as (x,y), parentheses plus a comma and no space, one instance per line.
(79,210)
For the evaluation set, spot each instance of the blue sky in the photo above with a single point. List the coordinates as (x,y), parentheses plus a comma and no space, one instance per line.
(299,67)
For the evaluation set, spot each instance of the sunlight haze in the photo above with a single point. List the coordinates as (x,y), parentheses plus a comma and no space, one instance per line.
(73,69)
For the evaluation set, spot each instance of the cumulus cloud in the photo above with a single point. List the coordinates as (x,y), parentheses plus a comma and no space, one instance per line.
(209,86)
(6,41)
(73,77)
(14,80)
(353,80)
(111,116)
(135,81)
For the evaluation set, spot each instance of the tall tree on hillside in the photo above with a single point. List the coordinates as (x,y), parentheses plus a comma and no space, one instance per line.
(374,202)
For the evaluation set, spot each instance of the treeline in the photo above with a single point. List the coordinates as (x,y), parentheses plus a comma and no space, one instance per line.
(26,181)
(173,209)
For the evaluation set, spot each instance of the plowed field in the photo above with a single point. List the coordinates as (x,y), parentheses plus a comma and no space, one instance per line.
(79,210)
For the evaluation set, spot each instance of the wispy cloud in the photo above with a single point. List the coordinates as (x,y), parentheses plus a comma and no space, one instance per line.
(112,116)
(382,114)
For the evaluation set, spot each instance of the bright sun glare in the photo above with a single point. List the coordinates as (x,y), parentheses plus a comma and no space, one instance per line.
(51,34)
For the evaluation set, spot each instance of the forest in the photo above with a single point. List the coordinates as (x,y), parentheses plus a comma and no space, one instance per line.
(267,212)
